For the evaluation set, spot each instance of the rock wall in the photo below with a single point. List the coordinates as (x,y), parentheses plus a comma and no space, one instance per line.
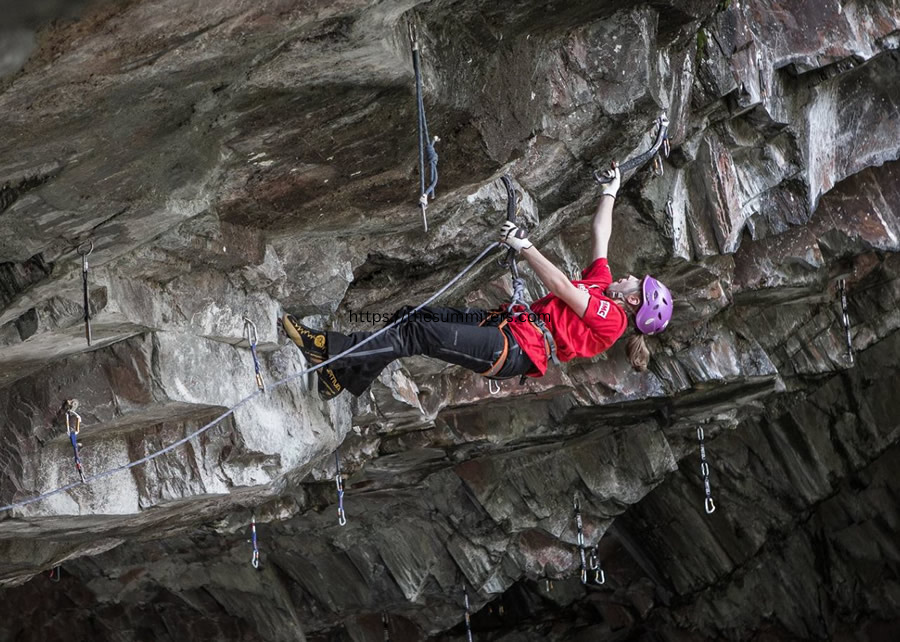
(233,159)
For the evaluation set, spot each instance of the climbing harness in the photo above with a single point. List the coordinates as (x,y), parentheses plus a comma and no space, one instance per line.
(230,411)
(468,615)
(339,482)
(589,561)
(845,317)
(73,427)
(53,575)
(662,141)
(84,282)
(704,470)
(518,295)
(426,145)
(254,560)
(386,623)
(252,337)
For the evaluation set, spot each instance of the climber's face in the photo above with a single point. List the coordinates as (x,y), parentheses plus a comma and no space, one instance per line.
(627,289)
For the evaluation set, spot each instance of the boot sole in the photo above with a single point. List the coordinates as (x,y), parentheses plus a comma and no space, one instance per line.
(329,387)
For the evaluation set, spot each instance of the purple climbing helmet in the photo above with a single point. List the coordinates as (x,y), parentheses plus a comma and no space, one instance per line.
(656,309)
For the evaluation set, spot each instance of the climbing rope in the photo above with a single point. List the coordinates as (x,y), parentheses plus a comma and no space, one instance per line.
(254,559)
(339,482)
(589,559)
(252,337)
(426,145)
(662,141)
(73,427)
(704,470)
(84,282)
(468,614)
(845,317)
(302,373)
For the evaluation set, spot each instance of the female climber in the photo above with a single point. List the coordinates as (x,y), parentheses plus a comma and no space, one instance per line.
(583,317)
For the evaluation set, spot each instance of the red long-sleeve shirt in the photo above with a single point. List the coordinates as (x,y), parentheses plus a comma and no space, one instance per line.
(603,322)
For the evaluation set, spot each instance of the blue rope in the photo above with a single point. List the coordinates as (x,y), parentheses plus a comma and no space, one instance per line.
(251,397)
(426,144)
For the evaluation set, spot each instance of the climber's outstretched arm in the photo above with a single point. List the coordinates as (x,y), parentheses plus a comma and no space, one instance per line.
(555,281)
(601,225)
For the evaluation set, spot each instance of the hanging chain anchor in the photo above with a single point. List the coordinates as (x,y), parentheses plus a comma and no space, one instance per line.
(252,337)
(589,559)
(468,614)
(386,623)
(845,317)
(73,427)
(426,144)
(339,482)
(254,559)
(704,470)
(84,250)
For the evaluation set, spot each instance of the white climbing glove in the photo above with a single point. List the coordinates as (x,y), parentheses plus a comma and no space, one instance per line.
(615,179)
(514,236)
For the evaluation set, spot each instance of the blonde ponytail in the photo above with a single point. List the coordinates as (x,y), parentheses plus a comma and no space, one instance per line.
(638,352)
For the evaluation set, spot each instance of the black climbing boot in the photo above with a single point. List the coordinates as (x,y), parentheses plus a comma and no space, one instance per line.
(314,346)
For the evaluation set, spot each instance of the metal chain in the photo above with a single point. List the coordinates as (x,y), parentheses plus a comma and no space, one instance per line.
(254,560)
(704,470)
(252,337)
(339,482)
(84,283)
(589,559)
(845,317)
(386,622)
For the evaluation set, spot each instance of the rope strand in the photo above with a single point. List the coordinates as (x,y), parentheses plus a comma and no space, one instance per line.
(251,397)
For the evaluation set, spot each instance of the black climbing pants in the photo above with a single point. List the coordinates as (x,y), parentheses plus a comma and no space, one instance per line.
(450,334)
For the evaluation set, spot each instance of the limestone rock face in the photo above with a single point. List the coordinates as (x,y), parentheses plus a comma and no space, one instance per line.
(232,160)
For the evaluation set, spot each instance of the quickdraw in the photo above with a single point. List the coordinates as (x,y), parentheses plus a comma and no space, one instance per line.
(84,282)
(254,559)
(73,427)
(468,615)
(252,337)
(589,559)
(709,505)
(494,386)
(845,318)
(662,141)
(426,145)
(339,482)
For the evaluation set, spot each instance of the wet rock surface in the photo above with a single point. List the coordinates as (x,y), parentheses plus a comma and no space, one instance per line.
(233,159)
